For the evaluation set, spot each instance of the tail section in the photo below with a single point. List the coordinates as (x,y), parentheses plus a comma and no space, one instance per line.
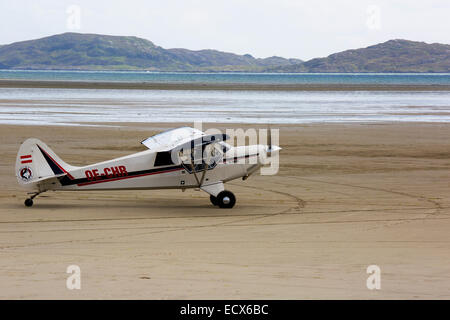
(36,162)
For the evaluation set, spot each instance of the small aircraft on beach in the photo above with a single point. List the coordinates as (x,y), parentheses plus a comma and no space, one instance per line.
(176,159)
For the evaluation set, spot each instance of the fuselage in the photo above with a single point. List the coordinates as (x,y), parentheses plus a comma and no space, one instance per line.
(141,171)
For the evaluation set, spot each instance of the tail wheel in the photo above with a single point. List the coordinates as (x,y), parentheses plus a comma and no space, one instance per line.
(226,199)
(213,200)
(28,202)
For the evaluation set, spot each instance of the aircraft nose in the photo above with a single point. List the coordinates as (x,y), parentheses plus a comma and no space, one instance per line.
(273,148)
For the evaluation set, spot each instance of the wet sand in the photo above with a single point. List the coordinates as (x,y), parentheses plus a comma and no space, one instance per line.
(346,197)
(7,83)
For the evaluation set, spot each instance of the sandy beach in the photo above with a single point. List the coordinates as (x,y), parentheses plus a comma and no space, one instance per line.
(346,197)
(72,84)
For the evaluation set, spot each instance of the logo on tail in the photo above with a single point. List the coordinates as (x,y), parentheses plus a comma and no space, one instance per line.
(25,174)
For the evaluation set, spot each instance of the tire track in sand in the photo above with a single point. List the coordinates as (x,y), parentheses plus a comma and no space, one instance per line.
(436,205)
(300,204)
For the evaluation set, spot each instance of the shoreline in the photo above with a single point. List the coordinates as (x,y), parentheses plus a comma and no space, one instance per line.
(172,124)
(67,84)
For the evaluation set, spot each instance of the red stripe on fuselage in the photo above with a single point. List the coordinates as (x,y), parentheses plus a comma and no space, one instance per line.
(25,157)
(26,161)
(126,177)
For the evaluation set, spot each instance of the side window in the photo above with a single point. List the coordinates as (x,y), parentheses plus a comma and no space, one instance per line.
(163,159)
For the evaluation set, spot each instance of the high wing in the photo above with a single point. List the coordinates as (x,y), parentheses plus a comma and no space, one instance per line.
(181,138)
(168,140)
(201,141)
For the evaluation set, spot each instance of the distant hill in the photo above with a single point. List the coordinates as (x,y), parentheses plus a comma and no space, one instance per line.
(101,52)
(390,56)
(76,51)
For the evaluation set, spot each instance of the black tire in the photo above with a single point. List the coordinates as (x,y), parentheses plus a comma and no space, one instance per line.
(226,199)
(213,200)
(28,202)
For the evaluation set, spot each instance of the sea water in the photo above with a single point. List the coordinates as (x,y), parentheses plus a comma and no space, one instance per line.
(78,106)
(230,77)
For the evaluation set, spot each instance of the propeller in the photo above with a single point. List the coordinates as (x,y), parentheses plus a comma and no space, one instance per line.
(270,147)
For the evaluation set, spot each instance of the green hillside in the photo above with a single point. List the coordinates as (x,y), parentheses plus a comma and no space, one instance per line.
(390,56)
(77,51)
(101,52)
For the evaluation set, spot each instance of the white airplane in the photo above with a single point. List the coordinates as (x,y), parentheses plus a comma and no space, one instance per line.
(176,159)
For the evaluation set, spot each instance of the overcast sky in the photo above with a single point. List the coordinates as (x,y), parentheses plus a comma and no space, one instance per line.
(288,28)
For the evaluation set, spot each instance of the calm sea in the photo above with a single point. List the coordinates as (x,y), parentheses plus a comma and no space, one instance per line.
(76,106)
(240,78)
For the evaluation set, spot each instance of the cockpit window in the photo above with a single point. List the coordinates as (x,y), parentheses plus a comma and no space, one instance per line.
(163,158)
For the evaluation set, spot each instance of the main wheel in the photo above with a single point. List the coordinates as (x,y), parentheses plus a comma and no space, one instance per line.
(213,200)
(226,199)
(28,202)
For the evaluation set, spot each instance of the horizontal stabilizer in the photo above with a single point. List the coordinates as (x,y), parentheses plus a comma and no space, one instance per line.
(41,179)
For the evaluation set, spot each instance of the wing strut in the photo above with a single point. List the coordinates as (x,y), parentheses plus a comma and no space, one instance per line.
(199,181)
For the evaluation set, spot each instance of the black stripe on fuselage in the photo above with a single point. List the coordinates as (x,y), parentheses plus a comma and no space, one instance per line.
(55,168)
(232,160)
(66,181)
